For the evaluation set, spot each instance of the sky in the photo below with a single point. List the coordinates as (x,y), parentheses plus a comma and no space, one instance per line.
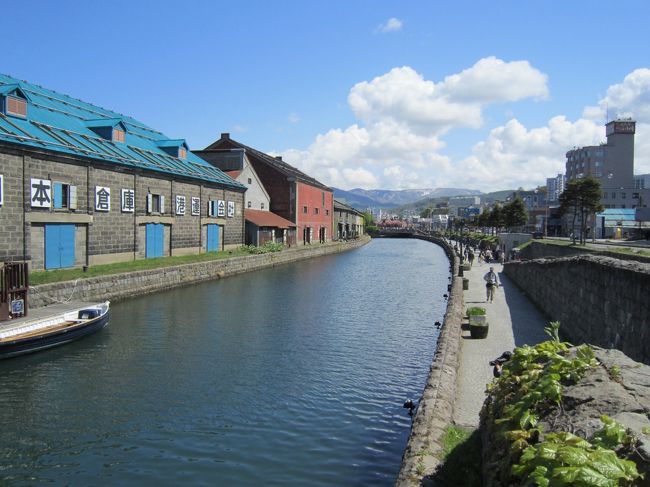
(358,93)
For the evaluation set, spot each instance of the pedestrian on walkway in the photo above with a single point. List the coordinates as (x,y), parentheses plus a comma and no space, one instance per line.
(470,257)
(491,284)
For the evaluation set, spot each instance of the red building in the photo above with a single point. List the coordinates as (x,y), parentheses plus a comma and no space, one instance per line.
(293,194)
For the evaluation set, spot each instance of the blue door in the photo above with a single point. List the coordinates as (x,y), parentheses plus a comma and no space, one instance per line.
(212,244)
(59,246)
(155,240)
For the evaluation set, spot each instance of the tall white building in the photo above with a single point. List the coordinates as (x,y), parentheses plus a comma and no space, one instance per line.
(554,187)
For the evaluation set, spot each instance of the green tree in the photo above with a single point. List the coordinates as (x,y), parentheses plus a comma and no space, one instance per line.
(514,214)
(495,220)
(581,198)
(483,219)
(426,213)
(369,222)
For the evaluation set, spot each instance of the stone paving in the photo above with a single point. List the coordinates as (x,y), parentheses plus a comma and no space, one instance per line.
(513,320)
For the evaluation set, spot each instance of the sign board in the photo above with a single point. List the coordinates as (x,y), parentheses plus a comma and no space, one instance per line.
(180,205)
(18,307)
(41,193)
(102,198)
(196,206)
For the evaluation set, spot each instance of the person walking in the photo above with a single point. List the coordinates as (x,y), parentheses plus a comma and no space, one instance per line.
(491,283)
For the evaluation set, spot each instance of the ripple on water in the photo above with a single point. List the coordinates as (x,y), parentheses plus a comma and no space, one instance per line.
(289,376)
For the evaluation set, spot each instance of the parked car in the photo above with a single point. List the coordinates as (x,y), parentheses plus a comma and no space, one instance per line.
(538,235)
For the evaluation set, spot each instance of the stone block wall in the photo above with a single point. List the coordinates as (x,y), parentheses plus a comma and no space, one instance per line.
(597,300)
(540,250)
(186,232)
(11,212)
(111,232)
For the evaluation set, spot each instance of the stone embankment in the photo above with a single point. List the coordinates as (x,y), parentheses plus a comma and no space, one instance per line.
(434,413)
(598,300)
(540,250)
(121,286)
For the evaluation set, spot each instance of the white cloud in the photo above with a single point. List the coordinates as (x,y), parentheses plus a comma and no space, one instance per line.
(403,119)
(391,25)
(293,117)
(514,156)
(404,96)
(493,80)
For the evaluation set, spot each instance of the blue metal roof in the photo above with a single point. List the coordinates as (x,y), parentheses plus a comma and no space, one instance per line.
(64,124)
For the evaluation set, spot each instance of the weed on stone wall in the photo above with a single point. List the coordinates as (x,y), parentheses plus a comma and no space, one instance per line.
(530,387)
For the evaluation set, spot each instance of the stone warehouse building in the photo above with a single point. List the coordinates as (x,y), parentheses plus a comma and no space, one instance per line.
(81,185)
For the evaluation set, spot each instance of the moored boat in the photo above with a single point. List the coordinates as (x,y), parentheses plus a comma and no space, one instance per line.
(32,336)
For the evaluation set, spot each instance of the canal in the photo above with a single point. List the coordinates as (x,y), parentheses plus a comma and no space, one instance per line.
(289,376)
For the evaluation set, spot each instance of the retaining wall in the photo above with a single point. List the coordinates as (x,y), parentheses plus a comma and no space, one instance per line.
(598,300)
(539,250)
(434,413)
(121,286)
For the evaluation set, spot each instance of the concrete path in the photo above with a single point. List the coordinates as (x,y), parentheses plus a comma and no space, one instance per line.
(513,320)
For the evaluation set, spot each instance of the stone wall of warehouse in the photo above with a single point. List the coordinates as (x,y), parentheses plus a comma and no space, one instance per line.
(111,232)
(598,300)
(12,222)
(121,286)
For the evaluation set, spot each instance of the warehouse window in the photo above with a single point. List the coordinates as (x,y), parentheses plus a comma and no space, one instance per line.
(16,107)
(118,135)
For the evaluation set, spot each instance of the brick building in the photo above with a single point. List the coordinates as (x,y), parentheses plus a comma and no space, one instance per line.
(82,185)
(294,195)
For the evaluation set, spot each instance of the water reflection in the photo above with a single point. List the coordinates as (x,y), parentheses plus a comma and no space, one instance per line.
(290,376)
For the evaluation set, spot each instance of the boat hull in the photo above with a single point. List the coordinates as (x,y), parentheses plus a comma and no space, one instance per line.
(48,340)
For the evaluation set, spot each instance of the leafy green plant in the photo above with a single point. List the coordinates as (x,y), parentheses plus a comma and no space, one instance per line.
(615,372)
(531,383)
(475,310)
(263,249)
(566,459)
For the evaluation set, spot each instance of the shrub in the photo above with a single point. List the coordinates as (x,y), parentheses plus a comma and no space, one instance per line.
(475,310)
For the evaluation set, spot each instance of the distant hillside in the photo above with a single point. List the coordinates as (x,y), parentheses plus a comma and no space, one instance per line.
(418,206)
(360,202)
(386,198)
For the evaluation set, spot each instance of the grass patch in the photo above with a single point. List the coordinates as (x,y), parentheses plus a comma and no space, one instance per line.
(462,458)
(59,275)
(454,436)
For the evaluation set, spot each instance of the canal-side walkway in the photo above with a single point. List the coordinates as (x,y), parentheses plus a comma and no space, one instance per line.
(514,321)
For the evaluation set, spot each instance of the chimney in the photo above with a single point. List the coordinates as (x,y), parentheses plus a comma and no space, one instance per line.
(225,136)
(279,158)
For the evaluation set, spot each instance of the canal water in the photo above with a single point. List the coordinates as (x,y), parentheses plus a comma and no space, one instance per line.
(289,376)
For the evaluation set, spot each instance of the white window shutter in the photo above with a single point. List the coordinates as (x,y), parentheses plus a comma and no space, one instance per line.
(162,204)
(209,207)
(149,202)
(72,197)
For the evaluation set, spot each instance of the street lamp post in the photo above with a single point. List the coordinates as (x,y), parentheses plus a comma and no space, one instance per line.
(546,220)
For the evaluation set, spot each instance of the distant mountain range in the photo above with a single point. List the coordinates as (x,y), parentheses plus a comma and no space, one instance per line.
(386,198)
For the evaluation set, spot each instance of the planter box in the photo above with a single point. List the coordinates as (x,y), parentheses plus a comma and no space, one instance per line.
(478,331)
(478,326)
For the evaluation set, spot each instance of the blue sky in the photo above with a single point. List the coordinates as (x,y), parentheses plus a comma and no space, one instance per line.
(374,94)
